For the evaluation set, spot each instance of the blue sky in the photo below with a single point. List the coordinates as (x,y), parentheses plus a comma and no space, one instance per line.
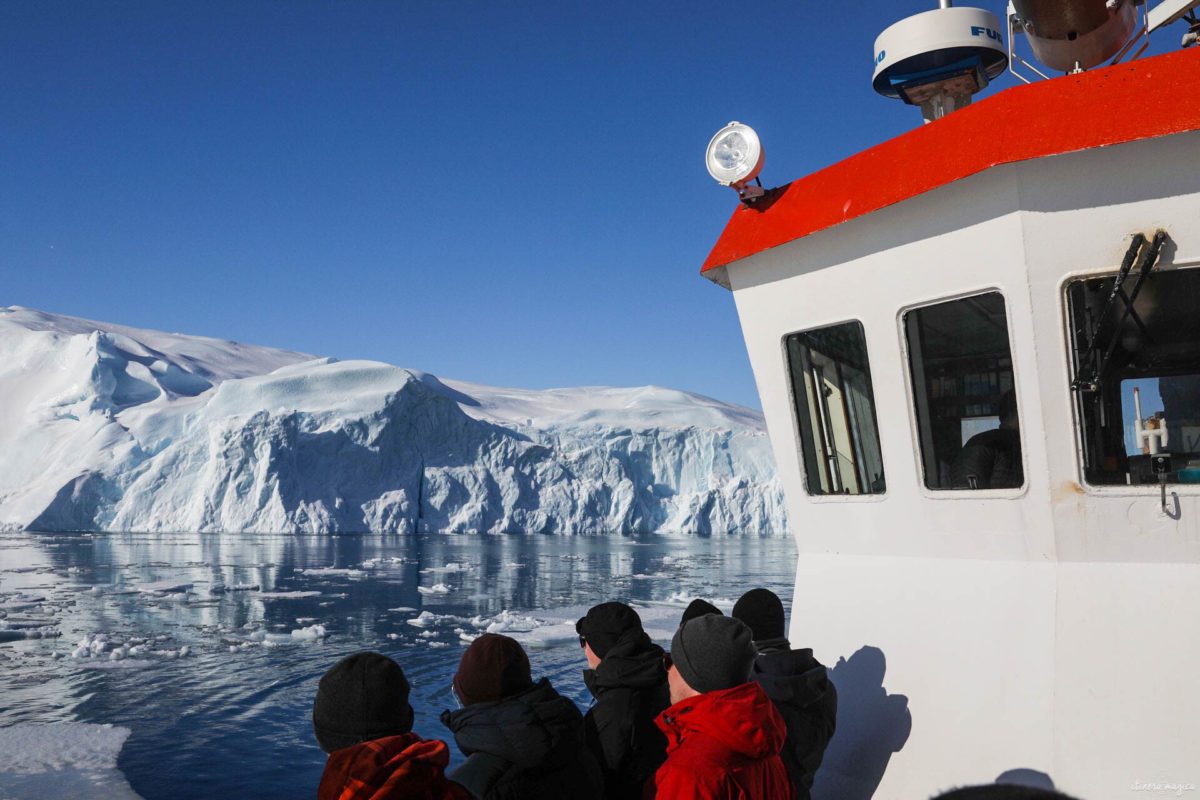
(505,193)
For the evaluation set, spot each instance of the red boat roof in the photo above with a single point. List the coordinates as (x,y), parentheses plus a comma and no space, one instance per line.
(1138,100)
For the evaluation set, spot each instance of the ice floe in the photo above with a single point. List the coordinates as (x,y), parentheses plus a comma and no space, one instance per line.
(63,760)
(329,572)
(448,568)
(164,587)
(311,633)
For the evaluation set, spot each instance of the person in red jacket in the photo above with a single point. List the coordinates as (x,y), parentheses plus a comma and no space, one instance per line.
(723,732)
(363,720)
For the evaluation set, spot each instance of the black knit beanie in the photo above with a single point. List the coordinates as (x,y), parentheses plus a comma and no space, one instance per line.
(492,668)
(762,611)
(362,697)
(713,652)
(605,624)
(698,608)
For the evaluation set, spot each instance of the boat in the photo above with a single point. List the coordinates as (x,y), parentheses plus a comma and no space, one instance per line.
(977,349)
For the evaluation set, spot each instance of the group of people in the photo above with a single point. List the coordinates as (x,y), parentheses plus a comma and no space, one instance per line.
(731,711)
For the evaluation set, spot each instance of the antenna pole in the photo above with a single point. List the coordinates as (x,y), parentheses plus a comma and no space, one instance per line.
(945,3)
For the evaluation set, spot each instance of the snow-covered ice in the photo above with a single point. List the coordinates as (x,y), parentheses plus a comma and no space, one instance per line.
(114,428)
(63,760)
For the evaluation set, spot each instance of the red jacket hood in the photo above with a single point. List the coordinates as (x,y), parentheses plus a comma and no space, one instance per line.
(742,718)
(395,766)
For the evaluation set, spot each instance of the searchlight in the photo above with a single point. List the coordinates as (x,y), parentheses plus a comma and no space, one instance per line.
(734,158)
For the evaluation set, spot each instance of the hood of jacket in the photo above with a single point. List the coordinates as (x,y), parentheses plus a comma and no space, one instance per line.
(634,662)
(792,676)
(404,765)
(743,719)
(523,729)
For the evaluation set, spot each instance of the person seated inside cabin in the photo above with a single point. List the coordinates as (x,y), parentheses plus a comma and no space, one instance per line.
(992,459)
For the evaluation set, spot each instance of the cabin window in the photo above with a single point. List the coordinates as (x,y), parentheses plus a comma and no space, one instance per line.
(1137,376)
(962,375)
(835,409)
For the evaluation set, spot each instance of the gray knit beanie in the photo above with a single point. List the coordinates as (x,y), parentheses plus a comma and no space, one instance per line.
(713,652)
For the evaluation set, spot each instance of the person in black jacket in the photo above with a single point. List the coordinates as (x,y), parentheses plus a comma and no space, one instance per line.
(797,684)
(626,676)
(523,740)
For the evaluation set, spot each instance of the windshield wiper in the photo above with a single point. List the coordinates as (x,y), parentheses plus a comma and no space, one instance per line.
(1091,365)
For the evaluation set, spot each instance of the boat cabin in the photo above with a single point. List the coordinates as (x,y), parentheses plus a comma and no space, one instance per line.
(977,348)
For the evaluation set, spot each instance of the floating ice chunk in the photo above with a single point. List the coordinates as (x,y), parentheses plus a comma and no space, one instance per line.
(286,595)
(165,587)
(400,609)
(221,588)
(379,561)
(506,622)
(667,561)
(393,636)
(21,602)
(512,565)
(452,567)
(437,588)
(10,634)
(325,572)
(650,576)
(91,645)
(424,619)
(311,634)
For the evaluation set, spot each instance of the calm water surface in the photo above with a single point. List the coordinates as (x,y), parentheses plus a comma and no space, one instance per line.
(262,617)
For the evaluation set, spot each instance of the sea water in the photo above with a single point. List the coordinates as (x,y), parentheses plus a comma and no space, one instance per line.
(185,665)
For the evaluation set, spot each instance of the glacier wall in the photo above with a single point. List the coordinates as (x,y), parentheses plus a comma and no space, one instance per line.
(112,428)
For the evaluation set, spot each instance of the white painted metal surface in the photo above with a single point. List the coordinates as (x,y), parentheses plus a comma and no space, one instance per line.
(1055,627)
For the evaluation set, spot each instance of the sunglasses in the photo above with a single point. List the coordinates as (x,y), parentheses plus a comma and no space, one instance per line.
(668,662)
(582,640)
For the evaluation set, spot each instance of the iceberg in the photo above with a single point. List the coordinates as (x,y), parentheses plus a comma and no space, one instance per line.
(120,429)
